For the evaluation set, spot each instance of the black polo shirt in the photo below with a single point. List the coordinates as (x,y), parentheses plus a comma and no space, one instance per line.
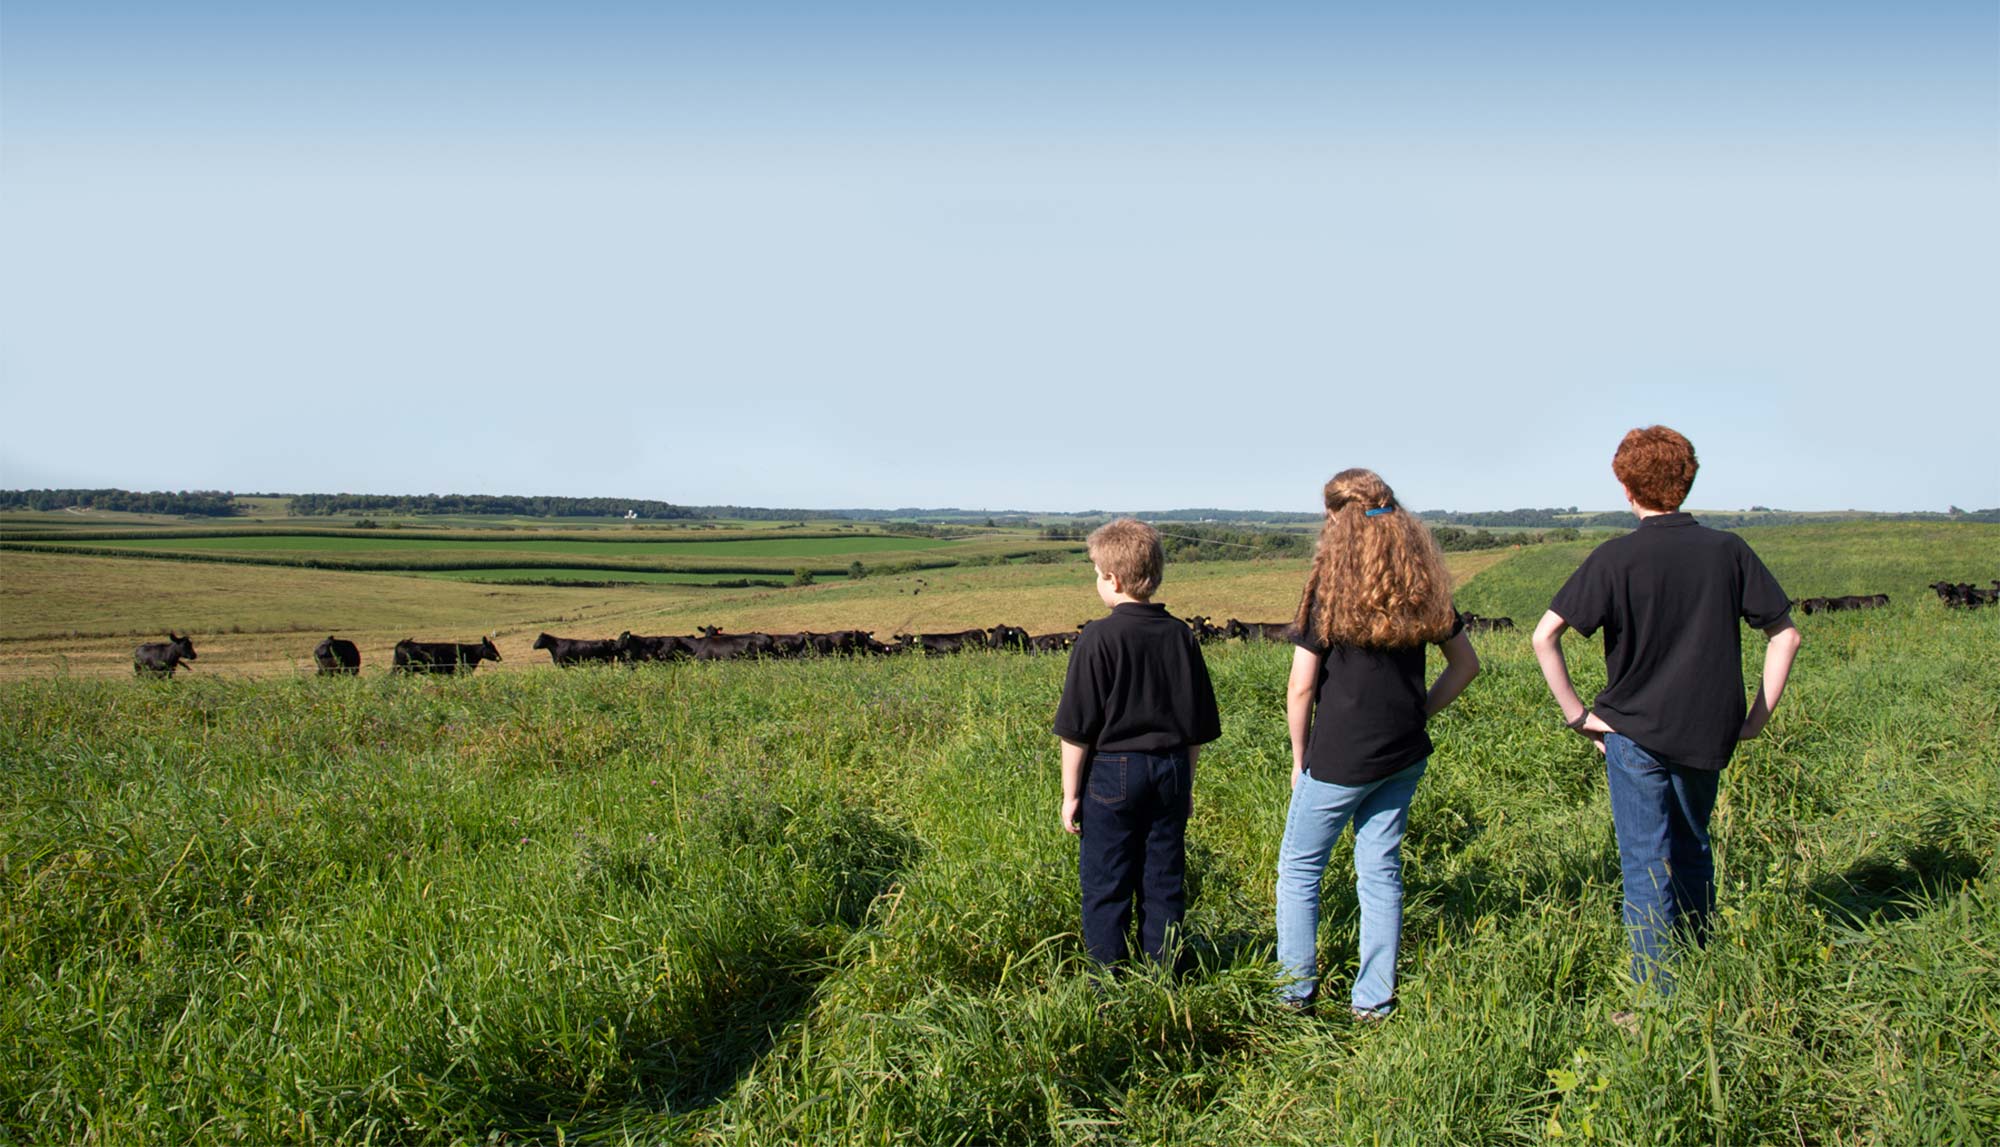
(1670,597)
(1368,710)
(1137,683)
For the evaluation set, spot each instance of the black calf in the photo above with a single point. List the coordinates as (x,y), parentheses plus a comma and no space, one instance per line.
(336,656)
(938,643)
(568,651)
(157,657)
(632,647)
(1259,630)
(441,656)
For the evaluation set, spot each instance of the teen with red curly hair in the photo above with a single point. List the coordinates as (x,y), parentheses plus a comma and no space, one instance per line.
(1356,708)
(1670,597)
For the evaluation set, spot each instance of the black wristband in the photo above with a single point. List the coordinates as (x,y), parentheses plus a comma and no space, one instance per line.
(1578,723)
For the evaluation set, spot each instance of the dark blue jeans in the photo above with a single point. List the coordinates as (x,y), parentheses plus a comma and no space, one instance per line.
(1661,812)
(1133,851)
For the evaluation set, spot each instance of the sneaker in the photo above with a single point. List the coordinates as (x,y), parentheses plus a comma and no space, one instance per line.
(1627,1022)
(1368,1016)
(1297,1005)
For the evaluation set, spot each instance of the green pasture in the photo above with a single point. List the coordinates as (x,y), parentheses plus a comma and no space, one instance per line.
(827,902)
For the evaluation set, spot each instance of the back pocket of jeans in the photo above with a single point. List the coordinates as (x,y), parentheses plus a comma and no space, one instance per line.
(1107,781)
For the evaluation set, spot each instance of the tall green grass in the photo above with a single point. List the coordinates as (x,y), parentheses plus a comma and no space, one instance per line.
(829,902)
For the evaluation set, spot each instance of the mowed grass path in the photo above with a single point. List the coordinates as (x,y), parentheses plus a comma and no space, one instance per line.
(827,902)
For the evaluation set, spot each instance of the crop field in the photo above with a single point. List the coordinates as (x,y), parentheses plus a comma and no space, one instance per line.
(799,547)
(582,551)
(269,513)
(827,901)
(539,575)
(78,615)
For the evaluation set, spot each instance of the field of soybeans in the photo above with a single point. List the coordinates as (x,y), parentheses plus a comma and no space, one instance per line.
(827,901)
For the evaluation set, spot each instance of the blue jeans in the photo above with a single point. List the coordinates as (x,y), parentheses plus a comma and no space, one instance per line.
(1661,812)
(1381,812)
(1133,848)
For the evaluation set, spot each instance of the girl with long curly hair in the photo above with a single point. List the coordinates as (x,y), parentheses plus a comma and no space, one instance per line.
(1357,707)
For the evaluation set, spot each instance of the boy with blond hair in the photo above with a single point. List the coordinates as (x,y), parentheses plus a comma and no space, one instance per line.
(1136,707)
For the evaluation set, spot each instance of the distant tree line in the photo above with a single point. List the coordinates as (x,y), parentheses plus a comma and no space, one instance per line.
(1451,539)
(1555,517)
(1205,543)
(516,505)
(1548,518)
(198,503)
(1206,514)
(1212,526)
(1196,543)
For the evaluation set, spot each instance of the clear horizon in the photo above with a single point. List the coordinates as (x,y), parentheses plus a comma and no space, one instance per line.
(781,254)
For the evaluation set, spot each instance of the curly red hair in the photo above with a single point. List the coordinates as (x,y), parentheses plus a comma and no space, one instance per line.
(1657,466)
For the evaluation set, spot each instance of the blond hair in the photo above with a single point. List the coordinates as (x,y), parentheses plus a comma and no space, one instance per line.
(1378,579)
(1129,550)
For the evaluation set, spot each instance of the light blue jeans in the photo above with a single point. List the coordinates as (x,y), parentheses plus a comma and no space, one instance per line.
(1380,812)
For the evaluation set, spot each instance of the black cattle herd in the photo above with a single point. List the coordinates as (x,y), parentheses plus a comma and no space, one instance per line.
(337,656)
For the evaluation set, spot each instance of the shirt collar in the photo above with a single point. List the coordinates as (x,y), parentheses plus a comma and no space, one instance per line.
(1140,606)
(1664,521)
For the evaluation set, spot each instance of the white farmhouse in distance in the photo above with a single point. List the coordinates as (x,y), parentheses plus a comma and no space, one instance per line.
(631,515)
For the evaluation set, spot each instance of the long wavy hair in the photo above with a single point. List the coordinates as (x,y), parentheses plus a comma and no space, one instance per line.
(1378,580)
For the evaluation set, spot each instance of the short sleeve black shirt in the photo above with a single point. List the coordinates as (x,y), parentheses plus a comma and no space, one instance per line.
(1368,710)
(1137,683)
(1671,597)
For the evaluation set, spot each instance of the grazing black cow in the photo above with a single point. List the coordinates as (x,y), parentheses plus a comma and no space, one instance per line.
(1007,637)
(1259,630)
(1051,642)
(1478,624)
(1812,605)
(790,644)
(441,656)
(945,642)
(1203,631)
(1973,597)
(1849,601)
(633,647)
(336,656)
(715,645)
(1965,595)
(157,657)
(568,651)
(845,641)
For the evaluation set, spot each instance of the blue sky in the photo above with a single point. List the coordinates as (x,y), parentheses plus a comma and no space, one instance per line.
(1027,255)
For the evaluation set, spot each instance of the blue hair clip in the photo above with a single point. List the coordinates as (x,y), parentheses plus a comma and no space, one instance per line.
(1378,511)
